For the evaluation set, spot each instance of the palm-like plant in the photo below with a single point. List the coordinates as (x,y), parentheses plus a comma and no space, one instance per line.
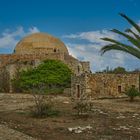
(132,36)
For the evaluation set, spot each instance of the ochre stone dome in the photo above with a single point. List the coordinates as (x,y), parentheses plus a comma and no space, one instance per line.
(40,43)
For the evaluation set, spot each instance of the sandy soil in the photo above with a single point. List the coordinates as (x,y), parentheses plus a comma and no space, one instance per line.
(115,119)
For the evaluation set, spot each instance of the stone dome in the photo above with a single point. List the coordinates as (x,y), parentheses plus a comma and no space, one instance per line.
(40,43)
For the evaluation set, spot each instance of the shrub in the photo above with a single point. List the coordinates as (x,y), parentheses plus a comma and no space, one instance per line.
(43,110)
(53,74)
(43,105)
(132,93)
(83,106)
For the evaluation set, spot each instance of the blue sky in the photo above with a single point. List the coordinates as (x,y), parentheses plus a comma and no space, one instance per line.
(79,23)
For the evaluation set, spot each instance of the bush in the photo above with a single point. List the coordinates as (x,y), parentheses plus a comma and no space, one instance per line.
(83,107)
(43,106)
(43,110)
(132,93)
(53,74)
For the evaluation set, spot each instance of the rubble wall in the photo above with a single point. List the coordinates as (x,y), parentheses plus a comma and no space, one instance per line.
(105,85)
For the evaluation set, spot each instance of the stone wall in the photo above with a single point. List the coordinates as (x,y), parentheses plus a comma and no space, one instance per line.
(4,80)
(10,63)
(8,72)
(12,58)
(77,67)
(114,85)
(79,86)
(104,85)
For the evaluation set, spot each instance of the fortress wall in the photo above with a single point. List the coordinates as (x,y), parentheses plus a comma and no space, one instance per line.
(77,66)
(105,85)
(12,58)
(4,80)
(112,84)
(85,66)
(78,86)
(10,64)
(13,62)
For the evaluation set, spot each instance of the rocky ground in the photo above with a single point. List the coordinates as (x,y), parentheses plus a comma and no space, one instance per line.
(110,119)
(11,134)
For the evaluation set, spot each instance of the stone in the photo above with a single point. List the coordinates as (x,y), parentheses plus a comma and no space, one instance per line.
(95,86)
(30,52)
(80,129)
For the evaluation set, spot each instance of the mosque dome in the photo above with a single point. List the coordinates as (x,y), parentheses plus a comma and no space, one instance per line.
(38,43)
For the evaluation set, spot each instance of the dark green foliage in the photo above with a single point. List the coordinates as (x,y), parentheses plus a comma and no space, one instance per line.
(53,74)
(132,47)
(132,93)
(117,70)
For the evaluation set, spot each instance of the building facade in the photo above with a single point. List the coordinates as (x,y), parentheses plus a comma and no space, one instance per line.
(103,85)
(30,52)
(35,48)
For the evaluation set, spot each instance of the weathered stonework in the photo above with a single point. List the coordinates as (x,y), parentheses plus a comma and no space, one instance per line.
(30,52)
(40,43)
(103,85)
(4,80)
(80,87)
(35,48)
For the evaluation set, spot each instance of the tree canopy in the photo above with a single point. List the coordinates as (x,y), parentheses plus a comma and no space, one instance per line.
(53,74)
(117,70)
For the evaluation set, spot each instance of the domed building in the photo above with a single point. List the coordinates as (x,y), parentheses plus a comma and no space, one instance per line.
(37,47)
(30,52)
(38,43)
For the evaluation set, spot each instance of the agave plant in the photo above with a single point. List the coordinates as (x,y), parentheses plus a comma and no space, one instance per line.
(133,47)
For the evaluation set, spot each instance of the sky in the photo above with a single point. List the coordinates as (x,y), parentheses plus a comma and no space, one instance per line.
(78,23)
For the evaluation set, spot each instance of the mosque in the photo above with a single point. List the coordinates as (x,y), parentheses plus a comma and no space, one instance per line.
(34,48)
(30,51)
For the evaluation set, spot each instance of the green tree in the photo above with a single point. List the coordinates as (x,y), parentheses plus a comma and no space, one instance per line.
(119,70)
(54,75)
(133,47)
(115,70)
(132,93)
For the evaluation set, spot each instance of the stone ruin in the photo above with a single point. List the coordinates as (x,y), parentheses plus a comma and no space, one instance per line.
(92,86)
(35,48)
(30,52)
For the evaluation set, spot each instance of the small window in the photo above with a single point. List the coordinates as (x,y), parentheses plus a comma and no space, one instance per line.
(18,60)
(78,91)
(78,69)
(119,89)
(32,62)
(133,86)
(25,62)
(54,50)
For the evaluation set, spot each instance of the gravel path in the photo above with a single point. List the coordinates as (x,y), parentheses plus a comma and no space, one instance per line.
(10,134)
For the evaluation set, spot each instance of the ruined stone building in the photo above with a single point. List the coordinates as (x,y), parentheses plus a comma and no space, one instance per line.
(35,48)
(32,50)
(103,85)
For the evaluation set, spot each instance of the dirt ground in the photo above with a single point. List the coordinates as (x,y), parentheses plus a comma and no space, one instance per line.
(111,119)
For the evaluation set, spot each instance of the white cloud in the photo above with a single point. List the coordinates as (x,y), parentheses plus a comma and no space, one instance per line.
(134,30)
(90,52)
(94,36)
(9,39)
(33,30)
(84,51)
